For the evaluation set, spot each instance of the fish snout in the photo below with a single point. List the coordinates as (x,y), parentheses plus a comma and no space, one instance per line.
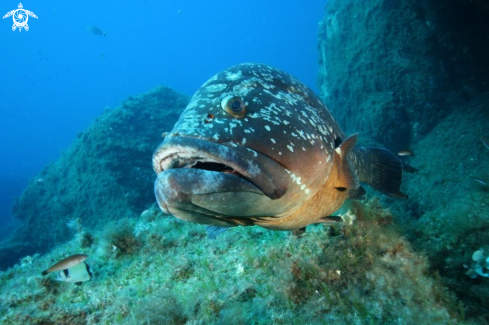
(212,159)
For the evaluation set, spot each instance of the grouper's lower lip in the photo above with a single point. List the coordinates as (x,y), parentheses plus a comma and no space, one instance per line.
(183,152)
(208,197)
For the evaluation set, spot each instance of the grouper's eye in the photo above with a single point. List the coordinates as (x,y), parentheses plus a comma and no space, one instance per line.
(234,106)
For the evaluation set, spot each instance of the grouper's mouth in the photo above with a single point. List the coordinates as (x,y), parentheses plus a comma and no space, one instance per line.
(178,157)
(191,155)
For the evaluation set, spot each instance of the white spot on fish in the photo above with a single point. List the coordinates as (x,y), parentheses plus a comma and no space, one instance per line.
(233,76)
(243,141)
(301,133)
(254,169)
(267,127)
(273,140)
(312,123)
(216,88)
(253,151)
(290,148)
(323,130)
(231,127)
(296,179)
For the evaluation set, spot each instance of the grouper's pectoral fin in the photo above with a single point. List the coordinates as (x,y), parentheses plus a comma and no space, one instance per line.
(329,219)
(346,178)
(299,232)
(214,231)
(378,168)
(357,193)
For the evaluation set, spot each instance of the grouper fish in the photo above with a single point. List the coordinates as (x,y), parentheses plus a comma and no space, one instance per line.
(255,146)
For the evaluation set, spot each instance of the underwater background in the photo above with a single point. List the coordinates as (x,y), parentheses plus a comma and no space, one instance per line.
(59,76)
(83,109)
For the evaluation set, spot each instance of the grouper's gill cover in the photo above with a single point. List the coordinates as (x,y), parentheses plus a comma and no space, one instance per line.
(257,147)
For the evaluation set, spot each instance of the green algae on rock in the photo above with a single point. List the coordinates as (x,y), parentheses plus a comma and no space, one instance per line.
(415,75)
(447,216)
(365,273)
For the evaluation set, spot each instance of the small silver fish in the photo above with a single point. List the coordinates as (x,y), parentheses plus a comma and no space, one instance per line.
(479,181)
(405,152)
(66,263)
(77,274)
(485,142)
(96,31)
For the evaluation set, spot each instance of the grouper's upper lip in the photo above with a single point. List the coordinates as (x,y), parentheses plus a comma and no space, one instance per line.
(186,152)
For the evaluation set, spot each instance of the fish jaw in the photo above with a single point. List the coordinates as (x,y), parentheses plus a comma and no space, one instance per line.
(216,184)
(208,197)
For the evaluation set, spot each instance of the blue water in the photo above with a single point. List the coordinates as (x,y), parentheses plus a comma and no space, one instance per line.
(57,77)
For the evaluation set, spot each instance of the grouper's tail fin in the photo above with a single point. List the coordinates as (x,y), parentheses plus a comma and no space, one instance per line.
(378,168)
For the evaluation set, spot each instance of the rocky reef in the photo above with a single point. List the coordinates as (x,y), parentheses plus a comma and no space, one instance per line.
(410,74)
(159,270)
(105,175)
(151,268)
(404,74)
(394,69)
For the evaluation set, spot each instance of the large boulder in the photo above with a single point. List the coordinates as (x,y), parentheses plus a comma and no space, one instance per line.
(393,69)
(415,74)
(106,174)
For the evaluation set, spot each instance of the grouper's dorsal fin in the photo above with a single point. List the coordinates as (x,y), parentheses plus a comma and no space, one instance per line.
(345,177)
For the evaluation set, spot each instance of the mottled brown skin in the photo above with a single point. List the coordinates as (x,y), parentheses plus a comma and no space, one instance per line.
(332,193)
